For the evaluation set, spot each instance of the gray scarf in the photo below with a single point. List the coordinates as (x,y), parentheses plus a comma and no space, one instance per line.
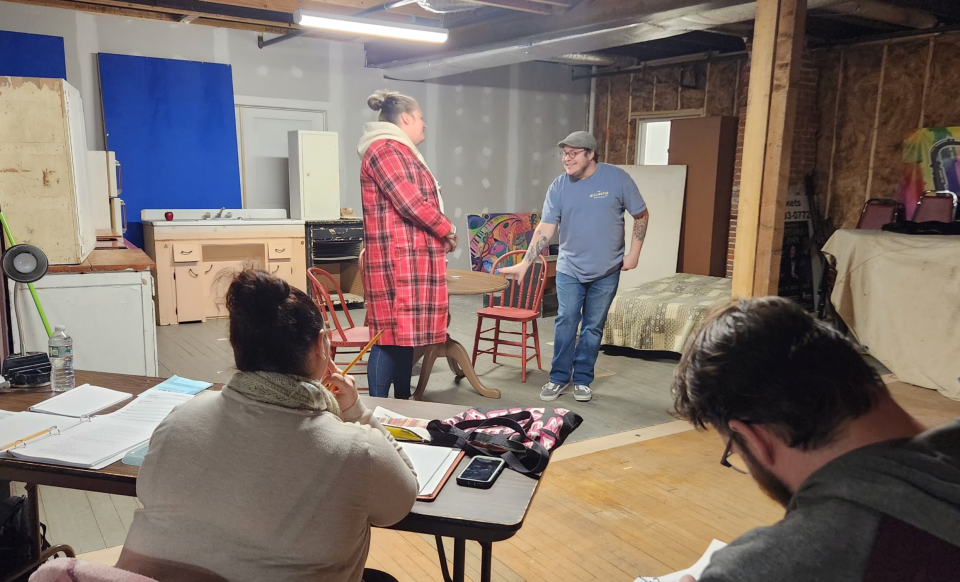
(287,391)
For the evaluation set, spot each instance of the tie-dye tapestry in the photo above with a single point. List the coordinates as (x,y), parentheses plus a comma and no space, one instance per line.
(493,235)
(931,160)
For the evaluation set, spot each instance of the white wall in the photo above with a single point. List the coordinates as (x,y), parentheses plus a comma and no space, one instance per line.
(491,135)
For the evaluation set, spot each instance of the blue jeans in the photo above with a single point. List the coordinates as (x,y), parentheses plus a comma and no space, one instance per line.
(390,365)
(583,306)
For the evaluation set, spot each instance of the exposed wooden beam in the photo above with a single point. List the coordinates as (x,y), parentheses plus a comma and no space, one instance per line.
(768,140)
(530,6)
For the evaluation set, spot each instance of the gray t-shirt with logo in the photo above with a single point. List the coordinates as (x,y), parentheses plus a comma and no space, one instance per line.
(591,229)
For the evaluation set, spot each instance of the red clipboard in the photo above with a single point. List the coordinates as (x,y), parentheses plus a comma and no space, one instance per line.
(443,482)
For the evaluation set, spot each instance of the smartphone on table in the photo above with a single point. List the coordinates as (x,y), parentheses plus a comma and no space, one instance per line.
(481,472)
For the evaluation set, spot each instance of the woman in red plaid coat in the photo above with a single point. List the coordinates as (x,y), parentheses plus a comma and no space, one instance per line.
(406,237)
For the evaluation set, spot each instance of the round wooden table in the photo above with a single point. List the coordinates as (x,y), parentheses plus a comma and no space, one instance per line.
(459,360)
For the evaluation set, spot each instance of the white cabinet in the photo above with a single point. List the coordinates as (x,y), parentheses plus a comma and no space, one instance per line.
(109,315)
(314,175)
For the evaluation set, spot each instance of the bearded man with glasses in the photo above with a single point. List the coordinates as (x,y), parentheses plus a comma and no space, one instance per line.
(870,493)
(587,203)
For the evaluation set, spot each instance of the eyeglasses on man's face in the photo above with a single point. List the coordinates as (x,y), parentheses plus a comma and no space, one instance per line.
(571,154)
(733,460)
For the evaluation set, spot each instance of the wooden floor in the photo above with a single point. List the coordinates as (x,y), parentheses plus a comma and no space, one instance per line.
(646,508)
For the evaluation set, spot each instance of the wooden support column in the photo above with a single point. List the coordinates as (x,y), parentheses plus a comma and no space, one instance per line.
(768,142)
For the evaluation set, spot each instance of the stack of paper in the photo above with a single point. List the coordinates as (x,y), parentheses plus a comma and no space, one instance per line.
(403,428)
(81,401)
(60,431)
(433,466)
(182,385)
(696,570)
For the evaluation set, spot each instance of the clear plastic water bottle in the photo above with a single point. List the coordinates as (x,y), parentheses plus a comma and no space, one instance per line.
(61,360)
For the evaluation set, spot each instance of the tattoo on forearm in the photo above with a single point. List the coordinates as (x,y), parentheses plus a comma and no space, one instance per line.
(535,250)
(640,228)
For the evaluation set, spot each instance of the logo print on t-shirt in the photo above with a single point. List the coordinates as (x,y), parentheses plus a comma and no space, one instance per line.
(599,194)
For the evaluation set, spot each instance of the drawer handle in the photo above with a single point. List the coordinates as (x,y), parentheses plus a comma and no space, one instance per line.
(186,252)
(192,274)
(275,271)
(283,250)
(208,270)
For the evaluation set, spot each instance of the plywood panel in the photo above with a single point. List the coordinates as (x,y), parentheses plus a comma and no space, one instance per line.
(854,134)
(619,119)
(721,88)
(693,80)
(899,113)
(662,188)
(668,84)
(943,106)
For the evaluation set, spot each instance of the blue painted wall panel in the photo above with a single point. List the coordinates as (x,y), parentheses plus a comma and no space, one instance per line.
(32,55)
(173,127)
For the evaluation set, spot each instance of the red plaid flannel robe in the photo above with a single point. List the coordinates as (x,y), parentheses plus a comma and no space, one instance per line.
(405,270)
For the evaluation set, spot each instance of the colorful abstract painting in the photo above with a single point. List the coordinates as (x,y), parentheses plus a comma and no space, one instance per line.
(931,159)
(494,235)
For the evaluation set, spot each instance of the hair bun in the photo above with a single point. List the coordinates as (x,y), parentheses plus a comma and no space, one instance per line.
(257,292)
(377,100)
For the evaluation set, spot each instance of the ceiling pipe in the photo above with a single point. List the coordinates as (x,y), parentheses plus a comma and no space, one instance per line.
(883,12)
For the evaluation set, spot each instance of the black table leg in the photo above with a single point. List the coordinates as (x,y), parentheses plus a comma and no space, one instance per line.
(486,561)
(459,560)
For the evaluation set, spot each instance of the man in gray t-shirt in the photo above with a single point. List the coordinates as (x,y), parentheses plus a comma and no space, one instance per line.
(587,203)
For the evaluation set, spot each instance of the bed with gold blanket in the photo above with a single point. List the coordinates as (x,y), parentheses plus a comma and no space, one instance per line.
(661,314)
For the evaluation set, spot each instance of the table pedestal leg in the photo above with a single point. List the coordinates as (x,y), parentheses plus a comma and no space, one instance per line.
(459,361)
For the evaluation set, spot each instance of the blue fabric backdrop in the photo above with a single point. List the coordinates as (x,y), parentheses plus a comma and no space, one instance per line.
(32,55)
(173,127)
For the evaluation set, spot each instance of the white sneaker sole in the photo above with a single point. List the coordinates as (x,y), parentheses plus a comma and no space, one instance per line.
(552,397)
(583,398)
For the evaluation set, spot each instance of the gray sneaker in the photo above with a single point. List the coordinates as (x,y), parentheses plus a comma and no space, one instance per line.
(551,391)
(582,393)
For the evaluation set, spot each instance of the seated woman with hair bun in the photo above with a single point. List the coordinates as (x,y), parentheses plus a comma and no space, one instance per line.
(275,477)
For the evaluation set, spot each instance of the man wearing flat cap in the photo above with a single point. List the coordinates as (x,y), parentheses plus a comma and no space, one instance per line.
(589,199)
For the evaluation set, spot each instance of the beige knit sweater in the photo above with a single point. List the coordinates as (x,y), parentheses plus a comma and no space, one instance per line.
(234,489)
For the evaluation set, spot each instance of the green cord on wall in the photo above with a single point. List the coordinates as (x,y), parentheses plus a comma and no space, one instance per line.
(33,291)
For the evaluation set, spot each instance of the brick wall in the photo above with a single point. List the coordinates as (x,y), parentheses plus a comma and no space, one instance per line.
(804,155)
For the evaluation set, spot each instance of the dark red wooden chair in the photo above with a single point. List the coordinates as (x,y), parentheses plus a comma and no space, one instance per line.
(345,338)
(518,303)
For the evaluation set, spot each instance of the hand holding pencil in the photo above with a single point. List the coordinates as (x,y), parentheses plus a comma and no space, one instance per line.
(344,387)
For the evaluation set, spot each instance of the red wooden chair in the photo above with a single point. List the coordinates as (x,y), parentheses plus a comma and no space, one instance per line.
(344,339)
(518,303)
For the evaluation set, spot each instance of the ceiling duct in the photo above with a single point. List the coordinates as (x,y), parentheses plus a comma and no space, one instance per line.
(447,6)
(883,12)
(667,22)
(593,59)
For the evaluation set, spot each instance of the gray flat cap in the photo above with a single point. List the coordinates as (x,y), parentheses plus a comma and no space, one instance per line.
(580,139)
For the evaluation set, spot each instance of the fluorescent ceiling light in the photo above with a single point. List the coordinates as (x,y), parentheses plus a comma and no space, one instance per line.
(367,28)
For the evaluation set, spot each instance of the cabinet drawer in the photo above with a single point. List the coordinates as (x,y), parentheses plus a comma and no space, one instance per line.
(186,252)
(281,248)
